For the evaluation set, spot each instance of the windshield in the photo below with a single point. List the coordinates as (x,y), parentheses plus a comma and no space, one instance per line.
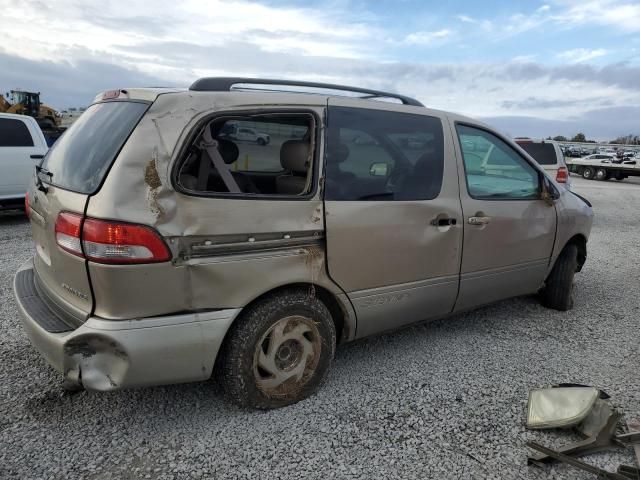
(79,160)
(543,153)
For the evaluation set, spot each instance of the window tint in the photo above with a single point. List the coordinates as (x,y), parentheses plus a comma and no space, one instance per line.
(493,169)
(381,155)
(14,133)
(542,152)
(81,157)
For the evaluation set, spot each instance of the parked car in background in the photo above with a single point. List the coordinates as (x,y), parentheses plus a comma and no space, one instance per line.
(22,147)
(158,259)
(245,134)
(549,155)
(573,152)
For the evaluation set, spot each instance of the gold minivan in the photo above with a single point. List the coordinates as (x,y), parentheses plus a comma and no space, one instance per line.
(174,242)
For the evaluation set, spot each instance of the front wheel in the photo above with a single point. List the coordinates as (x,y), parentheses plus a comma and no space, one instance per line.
(279,351)
(558,290)
(262,141)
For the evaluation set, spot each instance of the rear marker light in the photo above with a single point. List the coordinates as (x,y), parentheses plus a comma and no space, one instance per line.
(26,205)
(111,242)
(563,175)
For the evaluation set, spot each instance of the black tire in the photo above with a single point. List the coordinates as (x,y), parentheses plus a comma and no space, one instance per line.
(262,141)
(588,173)
(619,176)
(251,338)
(558,290)
(602,174)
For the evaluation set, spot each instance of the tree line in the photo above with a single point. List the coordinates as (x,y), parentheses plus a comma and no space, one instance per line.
(580,137)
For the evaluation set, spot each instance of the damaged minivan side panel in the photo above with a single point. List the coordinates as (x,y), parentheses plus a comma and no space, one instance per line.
(226,251)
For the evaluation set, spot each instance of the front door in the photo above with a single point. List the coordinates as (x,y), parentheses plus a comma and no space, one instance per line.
(508,230)
(392,213)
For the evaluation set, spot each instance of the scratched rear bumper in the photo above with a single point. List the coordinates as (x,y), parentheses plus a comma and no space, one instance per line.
(112,354)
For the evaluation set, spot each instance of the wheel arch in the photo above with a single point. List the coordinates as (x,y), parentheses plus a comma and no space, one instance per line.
(580,241)
(341,311)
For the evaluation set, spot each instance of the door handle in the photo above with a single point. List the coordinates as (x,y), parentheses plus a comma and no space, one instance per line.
(443,222)
(479,220)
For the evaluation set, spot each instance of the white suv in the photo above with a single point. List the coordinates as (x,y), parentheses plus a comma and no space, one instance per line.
(22,146)
(548,154)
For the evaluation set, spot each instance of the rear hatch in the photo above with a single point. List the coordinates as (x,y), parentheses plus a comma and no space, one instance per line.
(72,171)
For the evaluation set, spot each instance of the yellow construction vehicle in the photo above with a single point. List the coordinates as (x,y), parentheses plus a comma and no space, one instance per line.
(28,103)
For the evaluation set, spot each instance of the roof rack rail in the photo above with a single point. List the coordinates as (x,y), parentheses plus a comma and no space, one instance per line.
(225,84)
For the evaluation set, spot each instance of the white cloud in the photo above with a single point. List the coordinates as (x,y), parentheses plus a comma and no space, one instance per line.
(104,46)
(523,58)
(466,19)
(427,37)
(621,16)
(579,55)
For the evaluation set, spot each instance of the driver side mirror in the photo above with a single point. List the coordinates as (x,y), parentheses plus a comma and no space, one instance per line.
(380,169)
(548,191)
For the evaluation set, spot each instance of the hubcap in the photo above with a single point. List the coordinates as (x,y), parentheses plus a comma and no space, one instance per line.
(287,356)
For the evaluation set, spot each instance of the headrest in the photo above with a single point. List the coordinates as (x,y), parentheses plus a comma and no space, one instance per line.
(294,155)
(338,153)
(228,150)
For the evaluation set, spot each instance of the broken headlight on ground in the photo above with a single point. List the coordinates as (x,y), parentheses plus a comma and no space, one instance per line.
(594,419)
(560,407)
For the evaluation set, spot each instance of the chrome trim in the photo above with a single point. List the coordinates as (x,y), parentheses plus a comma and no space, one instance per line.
(251,244)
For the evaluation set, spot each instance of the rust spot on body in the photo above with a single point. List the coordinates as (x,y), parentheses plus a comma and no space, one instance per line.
(151,176)
(152,179)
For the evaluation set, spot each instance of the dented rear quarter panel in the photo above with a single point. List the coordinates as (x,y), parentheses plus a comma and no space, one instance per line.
(138,189)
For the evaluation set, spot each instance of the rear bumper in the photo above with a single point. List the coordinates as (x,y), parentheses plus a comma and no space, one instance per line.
(112,354)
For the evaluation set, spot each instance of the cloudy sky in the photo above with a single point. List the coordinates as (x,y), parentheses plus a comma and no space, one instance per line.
(529,67)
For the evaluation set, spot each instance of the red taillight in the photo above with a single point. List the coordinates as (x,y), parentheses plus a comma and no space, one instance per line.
(110,242)
(26,204)
(67,228)
(563,175)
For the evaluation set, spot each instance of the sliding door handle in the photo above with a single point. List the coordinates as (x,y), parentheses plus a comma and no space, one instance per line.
(443,222)
(479,220)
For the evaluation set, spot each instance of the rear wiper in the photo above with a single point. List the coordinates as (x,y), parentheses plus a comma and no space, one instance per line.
(39,185)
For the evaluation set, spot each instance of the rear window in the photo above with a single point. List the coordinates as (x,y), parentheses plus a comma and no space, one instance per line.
(14,133)
(543,153)
(80,159)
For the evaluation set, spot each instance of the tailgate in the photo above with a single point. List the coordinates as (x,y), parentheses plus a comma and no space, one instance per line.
(72,171)
(61,278)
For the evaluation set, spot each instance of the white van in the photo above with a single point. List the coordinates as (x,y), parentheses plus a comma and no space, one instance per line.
(549,156)
(22,146)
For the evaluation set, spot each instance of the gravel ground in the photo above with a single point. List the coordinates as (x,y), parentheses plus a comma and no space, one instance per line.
(441,400)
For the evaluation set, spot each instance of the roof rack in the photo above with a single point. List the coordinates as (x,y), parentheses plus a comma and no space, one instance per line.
(225,84)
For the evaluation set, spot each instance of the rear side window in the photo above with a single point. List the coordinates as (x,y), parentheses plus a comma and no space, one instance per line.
(79,160)
(14,133)
(543,153)
(251,155)
(381,155)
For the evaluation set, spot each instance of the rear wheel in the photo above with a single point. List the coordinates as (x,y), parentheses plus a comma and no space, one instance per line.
(588,173)
(279,351)
(558,290)
(602,174)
